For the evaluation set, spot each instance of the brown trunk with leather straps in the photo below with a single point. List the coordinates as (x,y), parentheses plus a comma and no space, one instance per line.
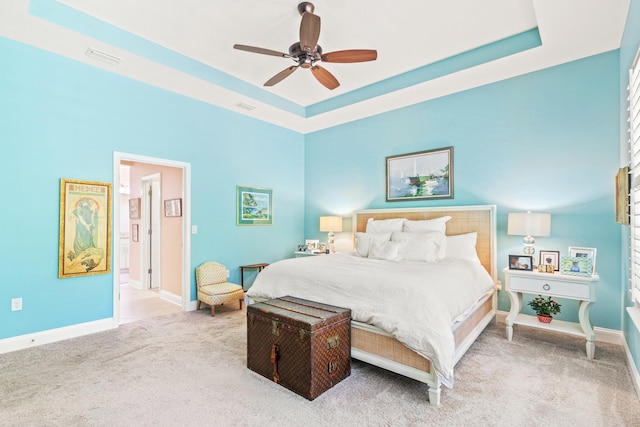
(302,345)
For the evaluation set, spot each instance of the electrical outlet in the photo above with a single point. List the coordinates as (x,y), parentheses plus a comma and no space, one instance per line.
(228,274)
(16,304)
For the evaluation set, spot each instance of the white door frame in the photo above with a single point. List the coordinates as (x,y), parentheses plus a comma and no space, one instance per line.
(118,157)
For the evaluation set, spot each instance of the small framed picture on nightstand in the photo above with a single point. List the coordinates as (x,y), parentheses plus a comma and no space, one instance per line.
(576,266)
(584,253)
(312,245)
(551,258)
(521,262)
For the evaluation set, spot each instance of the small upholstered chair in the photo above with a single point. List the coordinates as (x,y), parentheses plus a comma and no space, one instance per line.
(213,288)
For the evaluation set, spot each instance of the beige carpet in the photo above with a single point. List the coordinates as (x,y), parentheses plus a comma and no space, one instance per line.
(189,369)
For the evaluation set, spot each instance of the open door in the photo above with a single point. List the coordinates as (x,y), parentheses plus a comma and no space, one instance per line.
(151,232)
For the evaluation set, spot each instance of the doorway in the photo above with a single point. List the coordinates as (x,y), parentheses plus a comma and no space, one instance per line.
(147,251)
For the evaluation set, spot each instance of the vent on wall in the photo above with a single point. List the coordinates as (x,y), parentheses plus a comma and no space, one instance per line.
(102,56)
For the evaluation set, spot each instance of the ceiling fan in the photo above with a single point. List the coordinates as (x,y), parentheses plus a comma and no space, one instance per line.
(307,53)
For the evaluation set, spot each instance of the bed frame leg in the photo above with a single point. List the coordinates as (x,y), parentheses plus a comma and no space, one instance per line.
(434,396)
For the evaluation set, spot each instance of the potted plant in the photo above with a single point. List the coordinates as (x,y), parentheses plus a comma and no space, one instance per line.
(545,308)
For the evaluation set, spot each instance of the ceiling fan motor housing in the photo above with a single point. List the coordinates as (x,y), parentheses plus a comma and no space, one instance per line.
(302,57)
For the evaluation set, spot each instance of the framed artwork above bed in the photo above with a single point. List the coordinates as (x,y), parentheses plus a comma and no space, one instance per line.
(421,175)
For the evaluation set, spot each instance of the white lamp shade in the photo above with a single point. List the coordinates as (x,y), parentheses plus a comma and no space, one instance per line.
(529,224)
(330,223)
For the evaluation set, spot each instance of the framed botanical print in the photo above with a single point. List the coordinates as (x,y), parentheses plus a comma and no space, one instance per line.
(173,207)
(85,228)
(254,206)
(134,208)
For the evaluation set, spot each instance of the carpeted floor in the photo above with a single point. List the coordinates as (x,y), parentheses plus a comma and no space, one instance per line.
(189,369)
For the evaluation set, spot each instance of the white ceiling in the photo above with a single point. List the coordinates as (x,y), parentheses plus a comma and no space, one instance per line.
(408,35)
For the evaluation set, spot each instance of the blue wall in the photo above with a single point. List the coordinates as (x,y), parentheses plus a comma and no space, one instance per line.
(628,48)
(63,119)
(546,141)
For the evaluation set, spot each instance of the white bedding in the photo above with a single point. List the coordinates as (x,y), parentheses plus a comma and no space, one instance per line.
(416,302)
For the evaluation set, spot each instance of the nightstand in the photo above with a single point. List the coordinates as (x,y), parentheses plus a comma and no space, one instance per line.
(579,288)
(300,254)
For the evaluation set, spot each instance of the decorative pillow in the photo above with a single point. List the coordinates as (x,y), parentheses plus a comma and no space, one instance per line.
(463,246)
(363,241)
(388,250)
(384,225)
(422,246)
(425,225)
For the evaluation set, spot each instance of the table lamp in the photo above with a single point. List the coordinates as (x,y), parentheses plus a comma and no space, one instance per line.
(330,224)
(529,225)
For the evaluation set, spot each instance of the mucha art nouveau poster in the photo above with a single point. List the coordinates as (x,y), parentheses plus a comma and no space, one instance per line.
(85,228)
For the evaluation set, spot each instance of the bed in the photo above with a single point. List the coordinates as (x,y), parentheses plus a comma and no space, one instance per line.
(377,336)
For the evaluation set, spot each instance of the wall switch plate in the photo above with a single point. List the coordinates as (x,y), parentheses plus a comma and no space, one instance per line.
(228,274)
(194,229)
(16,304)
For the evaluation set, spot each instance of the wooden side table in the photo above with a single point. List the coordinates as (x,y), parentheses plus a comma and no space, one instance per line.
(259,267)
(578,288)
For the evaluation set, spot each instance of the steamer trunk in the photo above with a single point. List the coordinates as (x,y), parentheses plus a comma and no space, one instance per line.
(302,345)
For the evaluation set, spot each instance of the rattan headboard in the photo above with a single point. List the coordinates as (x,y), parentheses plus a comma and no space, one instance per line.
(464,219)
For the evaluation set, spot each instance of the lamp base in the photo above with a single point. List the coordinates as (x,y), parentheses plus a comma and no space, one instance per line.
(330,242)
(529,241)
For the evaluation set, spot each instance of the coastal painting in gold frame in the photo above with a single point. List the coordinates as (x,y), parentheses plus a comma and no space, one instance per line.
(85,228)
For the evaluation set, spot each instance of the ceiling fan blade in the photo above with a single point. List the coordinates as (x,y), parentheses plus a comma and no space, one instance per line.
(281,75)
(309,31)
(353,55)
(261,50)
(325,77)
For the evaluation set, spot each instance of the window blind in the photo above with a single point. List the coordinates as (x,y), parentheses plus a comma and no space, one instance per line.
(634,145)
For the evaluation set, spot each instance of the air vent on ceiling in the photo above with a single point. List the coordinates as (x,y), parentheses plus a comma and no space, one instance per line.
(102,56)
(245,106)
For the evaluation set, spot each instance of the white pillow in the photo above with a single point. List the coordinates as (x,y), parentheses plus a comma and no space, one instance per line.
(388,250)
(363,241)
(422,246)
(384,225)
(426,225)
(463,246)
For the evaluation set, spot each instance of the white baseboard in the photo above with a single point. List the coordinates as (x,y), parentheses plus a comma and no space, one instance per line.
(610,336)
(135,283)
(52,335)
(172,298)
(635,376)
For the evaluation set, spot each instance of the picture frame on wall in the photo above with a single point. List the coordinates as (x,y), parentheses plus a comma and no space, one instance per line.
(622,196)
(551,258)
(254,206)
(134,208)
(521,262)
(173,207)
(584,253)
(84,246)
(421,175)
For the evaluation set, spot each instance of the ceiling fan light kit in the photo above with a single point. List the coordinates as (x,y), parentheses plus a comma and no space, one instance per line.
(307,53)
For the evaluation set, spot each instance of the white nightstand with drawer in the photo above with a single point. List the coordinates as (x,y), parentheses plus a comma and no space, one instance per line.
(579,288)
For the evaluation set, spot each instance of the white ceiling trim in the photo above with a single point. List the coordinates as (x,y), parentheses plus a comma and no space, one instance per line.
(570,30)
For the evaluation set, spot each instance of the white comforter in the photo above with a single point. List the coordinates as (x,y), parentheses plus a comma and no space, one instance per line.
(416,302)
